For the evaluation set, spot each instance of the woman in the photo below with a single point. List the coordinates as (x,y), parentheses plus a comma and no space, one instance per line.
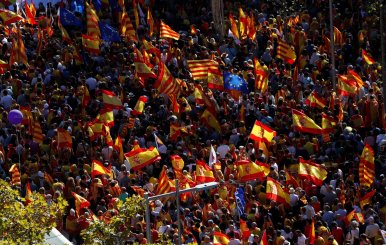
(352,236)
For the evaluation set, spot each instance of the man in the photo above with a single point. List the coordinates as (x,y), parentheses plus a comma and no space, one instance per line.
(301,237)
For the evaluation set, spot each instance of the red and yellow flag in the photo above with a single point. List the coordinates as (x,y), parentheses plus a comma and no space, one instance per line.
(95,129)
(118,146)
(220,238)
(261,132)
(215,79)
(285,52)
(251,26)
(290,180)
(28,194)
(311,171)
(311,236)
(261,76)
(178,165)
(150,22)
(303,123)
(203,172)
(367,58)
(15,174)
(91,44)
(142,157)
(352,75)
(328,123)
(37,134)
(106,116)
(166,83)
(234,29)
(346,87)
(167,32)
(97,168)
(92,22)
(140,106)
(18,53)
(165,185)
(275,192)
(210,120)
(110,100)
(80,202)
(264,239)
(141,68)
(245,232)
(127,28)
(30,16)
(199,68)
(64,139)
(315,100)
(366,166)
(248,170)
(338,37)
(366,199)
(9,17)
(243,20)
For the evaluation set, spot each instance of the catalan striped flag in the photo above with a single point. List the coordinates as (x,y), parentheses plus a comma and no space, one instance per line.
(302,123)
(285,52)
(261,76)
(203,172)
(37,134)
(367,58)
(15,175)
(220,238)
(261,132)
(91,44)
(366,166)
(141,68)
(276,193)
(167,32)
(199,68)
(92,21)
(127,28)
(248,171)
(9,17)
(311,171)
(328,123)
(346,87)
(315,100)
(110,100)
(150,48)
(165,185)
(28,194)
(48,178)
(135,12)
(18,53)
(166,83)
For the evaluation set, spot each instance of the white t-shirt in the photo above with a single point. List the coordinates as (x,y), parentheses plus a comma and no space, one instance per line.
(223,150)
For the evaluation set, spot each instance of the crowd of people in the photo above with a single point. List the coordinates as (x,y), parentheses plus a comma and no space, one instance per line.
(54,84)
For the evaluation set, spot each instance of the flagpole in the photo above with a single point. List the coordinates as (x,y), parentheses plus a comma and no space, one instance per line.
(382,30)
(332,48)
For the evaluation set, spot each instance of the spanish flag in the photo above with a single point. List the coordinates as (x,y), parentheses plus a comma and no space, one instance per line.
(366,199)
(48,178)
(311,236)
(91,44)
(203,172)
(290,180)
(118,146)
(251,27)
(315,100)
(352,75)
(95,129)
(261,132)
(176,131)
(215,79)
(367,58)
(140,106)
(303,123)
(141,68)
(220,238)
(150,22)
(80,202)
(245,232)
(243,20)
(234,29)
(167,32)
(209,119)
(97,168)
(328,123)
(3,66)
(29,14)
(285,52)
(106,116)
(177,163)
(9,17)
(338,37)
(264,239)
(193,30)
(142,157)
(276,193)
(354,215)
(110,100)
(346,87)
(248,170)
(311,171)
(28,194)
(64,139)
(366,166)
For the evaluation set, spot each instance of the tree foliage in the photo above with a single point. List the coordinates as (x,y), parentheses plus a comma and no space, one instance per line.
(118,229)
(20,224)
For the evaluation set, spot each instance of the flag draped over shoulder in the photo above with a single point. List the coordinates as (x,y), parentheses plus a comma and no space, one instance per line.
(366,166)
(303,123)
(203,173)
(167,32)
(285,52)
(312,171)
(199,68)
(261,132)
(275,192)
(142,157)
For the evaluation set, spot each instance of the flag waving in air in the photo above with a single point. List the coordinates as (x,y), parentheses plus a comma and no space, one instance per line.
(312,171)
(275,192)
(167,32)
(303,123)
(261,132)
